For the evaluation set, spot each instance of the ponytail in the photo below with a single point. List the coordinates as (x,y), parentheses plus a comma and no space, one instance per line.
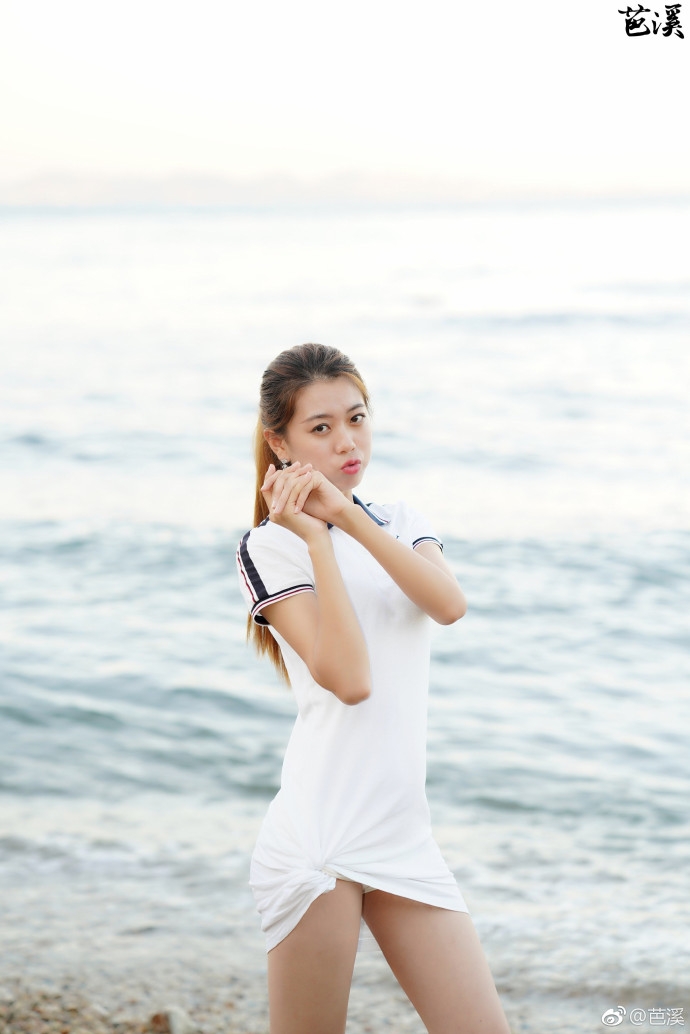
(263,458)
(260,634)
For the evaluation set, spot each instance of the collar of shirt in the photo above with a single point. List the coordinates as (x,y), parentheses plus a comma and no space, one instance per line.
(368,510)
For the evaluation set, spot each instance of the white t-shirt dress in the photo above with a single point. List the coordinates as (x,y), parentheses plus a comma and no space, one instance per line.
(352,799)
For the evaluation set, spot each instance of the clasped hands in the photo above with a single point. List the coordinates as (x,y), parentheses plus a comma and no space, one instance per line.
(302,499)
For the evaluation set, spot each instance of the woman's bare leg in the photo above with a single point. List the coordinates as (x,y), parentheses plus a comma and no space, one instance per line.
(439,962)
(310,971)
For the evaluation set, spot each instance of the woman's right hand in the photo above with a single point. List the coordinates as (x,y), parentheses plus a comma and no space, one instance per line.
(285,492)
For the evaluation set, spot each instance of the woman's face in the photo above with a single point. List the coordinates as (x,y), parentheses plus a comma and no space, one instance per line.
(330,429)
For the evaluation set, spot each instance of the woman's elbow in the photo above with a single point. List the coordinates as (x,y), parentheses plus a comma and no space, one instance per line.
(353,690)
(453,611)
(350,694)
(349,690)
(355,695)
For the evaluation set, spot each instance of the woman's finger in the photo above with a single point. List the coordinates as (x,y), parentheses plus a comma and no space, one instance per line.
(270,479)
(283,490)
(303,493)
(274,472)
(298,488)
(270,473)
(274,475)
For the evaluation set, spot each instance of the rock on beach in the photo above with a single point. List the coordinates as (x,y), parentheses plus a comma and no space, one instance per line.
(30,1011)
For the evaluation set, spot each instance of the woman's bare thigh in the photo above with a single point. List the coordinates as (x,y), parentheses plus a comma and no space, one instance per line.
(439,962)
(310,971)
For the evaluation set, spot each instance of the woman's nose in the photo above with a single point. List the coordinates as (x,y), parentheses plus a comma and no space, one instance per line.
(345,442)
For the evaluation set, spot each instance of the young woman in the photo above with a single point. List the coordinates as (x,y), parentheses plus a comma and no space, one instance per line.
(340,594)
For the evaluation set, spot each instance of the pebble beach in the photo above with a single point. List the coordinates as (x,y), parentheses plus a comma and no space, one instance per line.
(376,1006)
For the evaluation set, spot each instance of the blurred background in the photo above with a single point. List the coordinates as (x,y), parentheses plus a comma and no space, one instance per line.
(489,211)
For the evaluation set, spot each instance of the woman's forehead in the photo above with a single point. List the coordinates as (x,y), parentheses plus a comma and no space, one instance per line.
(321,398)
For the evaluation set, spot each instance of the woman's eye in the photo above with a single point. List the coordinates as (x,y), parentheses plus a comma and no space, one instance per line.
(320,427)
(358,418)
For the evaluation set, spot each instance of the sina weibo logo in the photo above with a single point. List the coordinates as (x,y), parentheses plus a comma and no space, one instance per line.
(612,1017)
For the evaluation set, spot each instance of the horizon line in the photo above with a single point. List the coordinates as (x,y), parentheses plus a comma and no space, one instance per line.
(185,190)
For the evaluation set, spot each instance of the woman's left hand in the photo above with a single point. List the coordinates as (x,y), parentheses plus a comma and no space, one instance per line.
(324,500)
(319,497)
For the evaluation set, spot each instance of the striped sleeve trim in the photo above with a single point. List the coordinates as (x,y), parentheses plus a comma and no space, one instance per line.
(252,578)
(284,595)
(256,588)
(427,538)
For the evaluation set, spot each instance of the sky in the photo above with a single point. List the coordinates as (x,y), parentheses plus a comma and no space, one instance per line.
(542,94)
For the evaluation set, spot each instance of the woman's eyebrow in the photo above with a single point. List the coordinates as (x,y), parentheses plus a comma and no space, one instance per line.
(329,416)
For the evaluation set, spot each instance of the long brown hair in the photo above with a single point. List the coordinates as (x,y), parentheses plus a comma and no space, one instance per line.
(283,379)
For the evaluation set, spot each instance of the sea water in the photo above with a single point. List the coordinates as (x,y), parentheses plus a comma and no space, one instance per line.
(529,368)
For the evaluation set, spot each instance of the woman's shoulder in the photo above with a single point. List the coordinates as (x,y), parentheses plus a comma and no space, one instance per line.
(269,539)
(402,520)
(270,533)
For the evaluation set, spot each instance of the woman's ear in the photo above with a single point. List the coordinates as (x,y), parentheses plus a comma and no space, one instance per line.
(276,444)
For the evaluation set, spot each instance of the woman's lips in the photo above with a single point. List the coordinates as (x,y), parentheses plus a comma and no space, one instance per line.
(351,467)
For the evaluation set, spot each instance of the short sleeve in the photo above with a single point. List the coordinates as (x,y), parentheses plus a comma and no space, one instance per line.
(420,529)
(272,564)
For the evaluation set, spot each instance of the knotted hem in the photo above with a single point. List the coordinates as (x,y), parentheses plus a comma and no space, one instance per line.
(282,898)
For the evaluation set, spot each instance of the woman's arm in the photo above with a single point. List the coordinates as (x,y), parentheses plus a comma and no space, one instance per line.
(322,627)
(422,573)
